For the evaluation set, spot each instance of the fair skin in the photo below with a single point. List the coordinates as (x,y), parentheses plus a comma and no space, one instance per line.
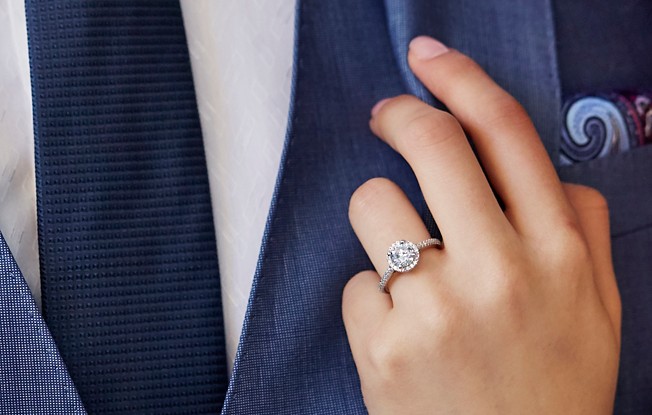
(520,312)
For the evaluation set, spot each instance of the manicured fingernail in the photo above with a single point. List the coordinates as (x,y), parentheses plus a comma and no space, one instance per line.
(425,48)
(378,106)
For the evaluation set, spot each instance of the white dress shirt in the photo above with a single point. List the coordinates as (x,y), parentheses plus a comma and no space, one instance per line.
(241,57)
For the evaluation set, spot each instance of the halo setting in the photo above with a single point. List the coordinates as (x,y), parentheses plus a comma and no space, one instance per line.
(403,255)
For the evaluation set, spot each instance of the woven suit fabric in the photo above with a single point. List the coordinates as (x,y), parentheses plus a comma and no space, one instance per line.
(293,355)
(34,379)
(130,283)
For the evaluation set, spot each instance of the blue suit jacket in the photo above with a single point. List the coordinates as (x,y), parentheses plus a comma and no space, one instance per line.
(293,356)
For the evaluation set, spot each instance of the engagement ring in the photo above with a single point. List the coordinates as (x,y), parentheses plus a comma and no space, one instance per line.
(402,256)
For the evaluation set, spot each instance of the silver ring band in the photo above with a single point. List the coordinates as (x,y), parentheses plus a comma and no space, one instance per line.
(402,256)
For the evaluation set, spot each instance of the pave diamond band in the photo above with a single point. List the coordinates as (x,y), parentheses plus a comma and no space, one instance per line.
(402,256)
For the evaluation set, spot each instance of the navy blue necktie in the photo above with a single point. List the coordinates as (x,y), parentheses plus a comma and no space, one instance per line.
(128,258)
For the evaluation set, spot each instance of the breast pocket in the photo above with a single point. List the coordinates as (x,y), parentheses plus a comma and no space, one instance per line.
(625,179)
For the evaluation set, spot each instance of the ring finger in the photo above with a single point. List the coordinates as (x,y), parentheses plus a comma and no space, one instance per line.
(381,214)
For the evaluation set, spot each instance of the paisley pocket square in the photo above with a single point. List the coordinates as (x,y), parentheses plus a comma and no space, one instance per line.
(598,125)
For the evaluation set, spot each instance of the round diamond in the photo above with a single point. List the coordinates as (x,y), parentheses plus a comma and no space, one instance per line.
(403,256)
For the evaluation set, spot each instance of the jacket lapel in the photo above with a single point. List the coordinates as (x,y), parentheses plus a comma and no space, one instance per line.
(293,355)
(33,375)
(513,41)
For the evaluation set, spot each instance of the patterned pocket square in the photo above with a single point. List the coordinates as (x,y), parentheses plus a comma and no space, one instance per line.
(598,125)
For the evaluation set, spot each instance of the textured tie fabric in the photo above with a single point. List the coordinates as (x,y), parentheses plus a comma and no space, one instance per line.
(130,283)
(293,356)
(33,377)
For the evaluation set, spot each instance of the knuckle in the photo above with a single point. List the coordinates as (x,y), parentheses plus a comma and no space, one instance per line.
(403,99)
(509,296)
(585,197)
(571,237)
(427,129)
(570,249)
(369,194)
(595,198)
(440,325)
(507,112)
(388,357)
(439,318)
(508,269)
(389,351)
(456,72)
(505,261)
(355,284)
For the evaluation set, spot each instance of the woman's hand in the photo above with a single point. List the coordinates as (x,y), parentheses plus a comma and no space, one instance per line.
(520,312)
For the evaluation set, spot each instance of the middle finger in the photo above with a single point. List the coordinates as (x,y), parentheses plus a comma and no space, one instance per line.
(450,176)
